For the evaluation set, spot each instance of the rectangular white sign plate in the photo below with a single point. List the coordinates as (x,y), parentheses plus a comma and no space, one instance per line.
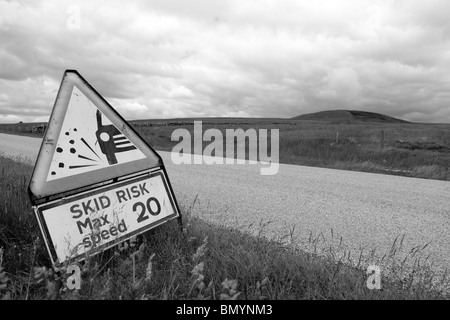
(96,220)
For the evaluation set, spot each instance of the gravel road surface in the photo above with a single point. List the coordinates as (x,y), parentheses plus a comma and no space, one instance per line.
(367,210)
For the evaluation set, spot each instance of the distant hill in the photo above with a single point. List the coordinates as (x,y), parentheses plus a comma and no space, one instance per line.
(348,116)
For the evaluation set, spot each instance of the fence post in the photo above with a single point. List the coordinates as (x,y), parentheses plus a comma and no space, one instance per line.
(337,137)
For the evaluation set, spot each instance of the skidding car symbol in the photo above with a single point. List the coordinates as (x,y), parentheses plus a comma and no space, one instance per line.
(111,140)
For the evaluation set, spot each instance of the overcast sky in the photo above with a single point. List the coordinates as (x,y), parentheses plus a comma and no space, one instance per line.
(249,58)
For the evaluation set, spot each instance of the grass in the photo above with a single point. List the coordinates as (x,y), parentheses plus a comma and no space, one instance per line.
(205,261)
(409,149)
(413,150)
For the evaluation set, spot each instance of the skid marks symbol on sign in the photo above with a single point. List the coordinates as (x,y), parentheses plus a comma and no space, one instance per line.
(93,143)
(73,152)
(93,157)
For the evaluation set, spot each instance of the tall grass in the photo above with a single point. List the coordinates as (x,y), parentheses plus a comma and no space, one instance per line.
(351,156)
(411,149)
(205,261)
(415,150)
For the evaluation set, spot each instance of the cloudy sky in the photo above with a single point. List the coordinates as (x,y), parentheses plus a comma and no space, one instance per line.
(249,58)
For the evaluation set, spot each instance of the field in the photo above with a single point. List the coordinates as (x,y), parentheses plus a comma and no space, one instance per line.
(407,149)
(203,261)
(206,261)
(414,150)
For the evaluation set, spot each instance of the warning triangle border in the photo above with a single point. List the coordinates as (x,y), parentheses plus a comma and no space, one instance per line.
(39,188)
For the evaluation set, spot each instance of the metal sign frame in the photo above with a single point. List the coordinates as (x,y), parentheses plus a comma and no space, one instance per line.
(50,246)
(40,188)
(52,194)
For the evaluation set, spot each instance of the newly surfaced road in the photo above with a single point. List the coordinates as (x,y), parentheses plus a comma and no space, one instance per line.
(366,210)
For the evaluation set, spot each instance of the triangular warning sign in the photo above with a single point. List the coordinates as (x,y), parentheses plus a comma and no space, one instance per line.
(86,142)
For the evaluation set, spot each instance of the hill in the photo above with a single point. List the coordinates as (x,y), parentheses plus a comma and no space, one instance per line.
(349,116)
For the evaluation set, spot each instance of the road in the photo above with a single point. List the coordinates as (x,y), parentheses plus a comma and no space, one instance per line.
(367,210)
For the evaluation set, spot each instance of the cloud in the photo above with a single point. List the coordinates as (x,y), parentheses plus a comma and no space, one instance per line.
(9,119)
(163,59)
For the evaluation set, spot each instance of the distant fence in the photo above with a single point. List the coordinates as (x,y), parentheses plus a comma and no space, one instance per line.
(24,128)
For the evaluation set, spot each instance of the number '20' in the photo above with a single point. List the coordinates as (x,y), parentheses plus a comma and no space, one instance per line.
(147,207)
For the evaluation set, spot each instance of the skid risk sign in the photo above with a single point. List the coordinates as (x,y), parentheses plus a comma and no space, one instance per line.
(94,221)
(96,182)
(86,142)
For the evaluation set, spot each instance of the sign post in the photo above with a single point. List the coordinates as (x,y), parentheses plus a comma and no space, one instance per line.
(96,182)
